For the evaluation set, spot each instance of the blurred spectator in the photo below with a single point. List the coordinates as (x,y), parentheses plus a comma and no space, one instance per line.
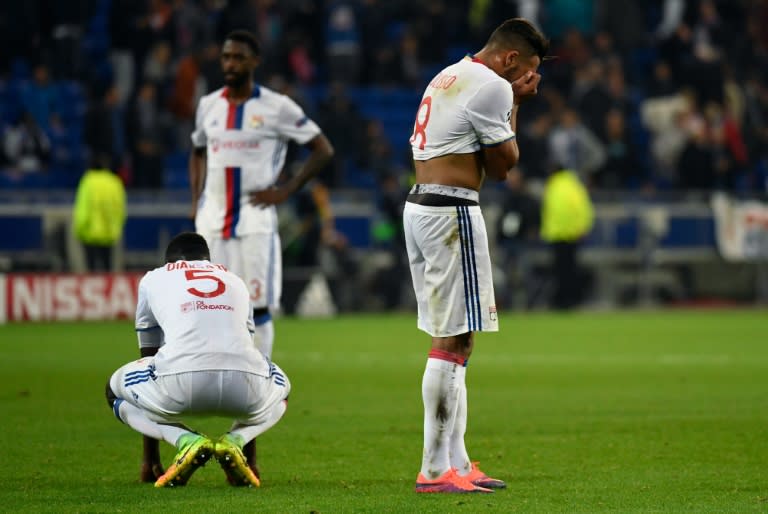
(590,94)
(26,147)
(191,29)
(299,61)
(387,283)
(661,82)
(756,123)
(696,167)
(99,214)
(67,23)
(729,148)
(376,153)
(342,124)
(622,165)
(157,66)
(625,20)
(574,146)
(534,137)
(210,67)
(343,50)
(669,120)
(130,42)
(560,16)
(566,218)
(187,89)
(40,98)
(147,135)
(517,231)
(103,131)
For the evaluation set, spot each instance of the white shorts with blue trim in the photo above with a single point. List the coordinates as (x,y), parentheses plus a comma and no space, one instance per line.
(247,397)
(257,259)
(451,269)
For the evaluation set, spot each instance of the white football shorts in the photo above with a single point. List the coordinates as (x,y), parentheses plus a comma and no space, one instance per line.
(257,259)
(168,398)
(451,269)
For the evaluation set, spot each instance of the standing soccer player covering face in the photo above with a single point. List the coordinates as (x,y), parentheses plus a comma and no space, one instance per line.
(464,131)
(240,141)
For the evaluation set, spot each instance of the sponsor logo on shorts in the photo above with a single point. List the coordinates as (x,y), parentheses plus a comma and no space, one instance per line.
(492,312)
(200,305)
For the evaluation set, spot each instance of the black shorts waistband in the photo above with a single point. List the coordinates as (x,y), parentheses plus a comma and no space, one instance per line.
(436,200)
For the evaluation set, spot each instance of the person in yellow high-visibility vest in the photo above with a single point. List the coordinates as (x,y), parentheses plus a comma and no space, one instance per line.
(567,216)
(99,216)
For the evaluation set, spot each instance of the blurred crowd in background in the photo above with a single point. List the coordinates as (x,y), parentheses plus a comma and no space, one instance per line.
(640,94)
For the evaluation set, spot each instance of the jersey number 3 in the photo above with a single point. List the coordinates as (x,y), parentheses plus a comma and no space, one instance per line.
(420,126)
(201,274)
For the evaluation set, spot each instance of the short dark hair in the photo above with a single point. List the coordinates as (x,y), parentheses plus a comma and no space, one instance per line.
(187,246)
(517,32)
(246,37)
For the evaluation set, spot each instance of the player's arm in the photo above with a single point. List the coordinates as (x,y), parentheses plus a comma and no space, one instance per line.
(321,152)
(197,157)
(295,125)
(500,158)
(197,170)
(498,136)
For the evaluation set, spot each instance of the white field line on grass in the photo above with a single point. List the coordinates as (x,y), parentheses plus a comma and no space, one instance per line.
(511,358)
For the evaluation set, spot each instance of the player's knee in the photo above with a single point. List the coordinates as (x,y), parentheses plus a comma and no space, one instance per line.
(110,395)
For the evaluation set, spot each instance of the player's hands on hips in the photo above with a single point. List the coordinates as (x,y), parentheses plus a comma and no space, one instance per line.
(526,86)
(272,196)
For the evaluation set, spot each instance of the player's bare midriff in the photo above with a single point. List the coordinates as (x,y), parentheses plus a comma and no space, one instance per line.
(461,170)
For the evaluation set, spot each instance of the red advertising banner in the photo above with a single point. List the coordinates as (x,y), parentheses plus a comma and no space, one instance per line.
(64,297)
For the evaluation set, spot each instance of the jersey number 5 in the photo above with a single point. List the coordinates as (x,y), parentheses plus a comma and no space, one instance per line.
(201,274)
(420,127)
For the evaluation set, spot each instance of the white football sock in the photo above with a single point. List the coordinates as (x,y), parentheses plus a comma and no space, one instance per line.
(439,391)
(137,419)
(249,432)
(459,457)
(265,337)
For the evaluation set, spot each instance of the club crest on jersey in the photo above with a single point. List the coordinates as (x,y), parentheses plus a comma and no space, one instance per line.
(256,121)
(492,312)
(214,145)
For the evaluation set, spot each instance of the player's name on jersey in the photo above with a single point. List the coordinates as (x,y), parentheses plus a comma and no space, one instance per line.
(193,265)
(442,81)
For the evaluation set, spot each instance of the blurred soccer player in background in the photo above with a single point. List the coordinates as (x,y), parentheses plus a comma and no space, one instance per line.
(193,319)
(464,131)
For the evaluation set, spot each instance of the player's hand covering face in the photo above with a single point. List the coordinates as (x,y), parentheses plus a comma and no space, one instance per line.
(526,86)
(237,63)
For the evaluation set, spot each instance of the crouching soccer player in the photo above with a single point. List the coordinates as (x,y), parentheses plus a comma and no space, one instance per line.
(198,317)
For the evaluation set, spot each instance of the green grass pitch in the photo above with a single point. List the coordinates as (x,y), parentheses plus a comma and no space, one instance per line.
(599,412)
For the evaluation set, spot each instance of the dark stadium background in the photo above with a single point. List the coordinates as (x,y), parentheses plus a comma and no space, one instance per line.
(657,104)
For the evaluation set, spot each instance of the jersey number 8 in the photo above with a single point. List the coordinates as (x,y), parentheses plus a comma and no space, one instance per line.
(420,127)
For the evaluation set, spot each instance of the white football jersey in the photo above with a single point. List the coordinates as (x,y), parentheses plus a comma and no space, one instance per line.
(245,147)
(204,313)
(466,106)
